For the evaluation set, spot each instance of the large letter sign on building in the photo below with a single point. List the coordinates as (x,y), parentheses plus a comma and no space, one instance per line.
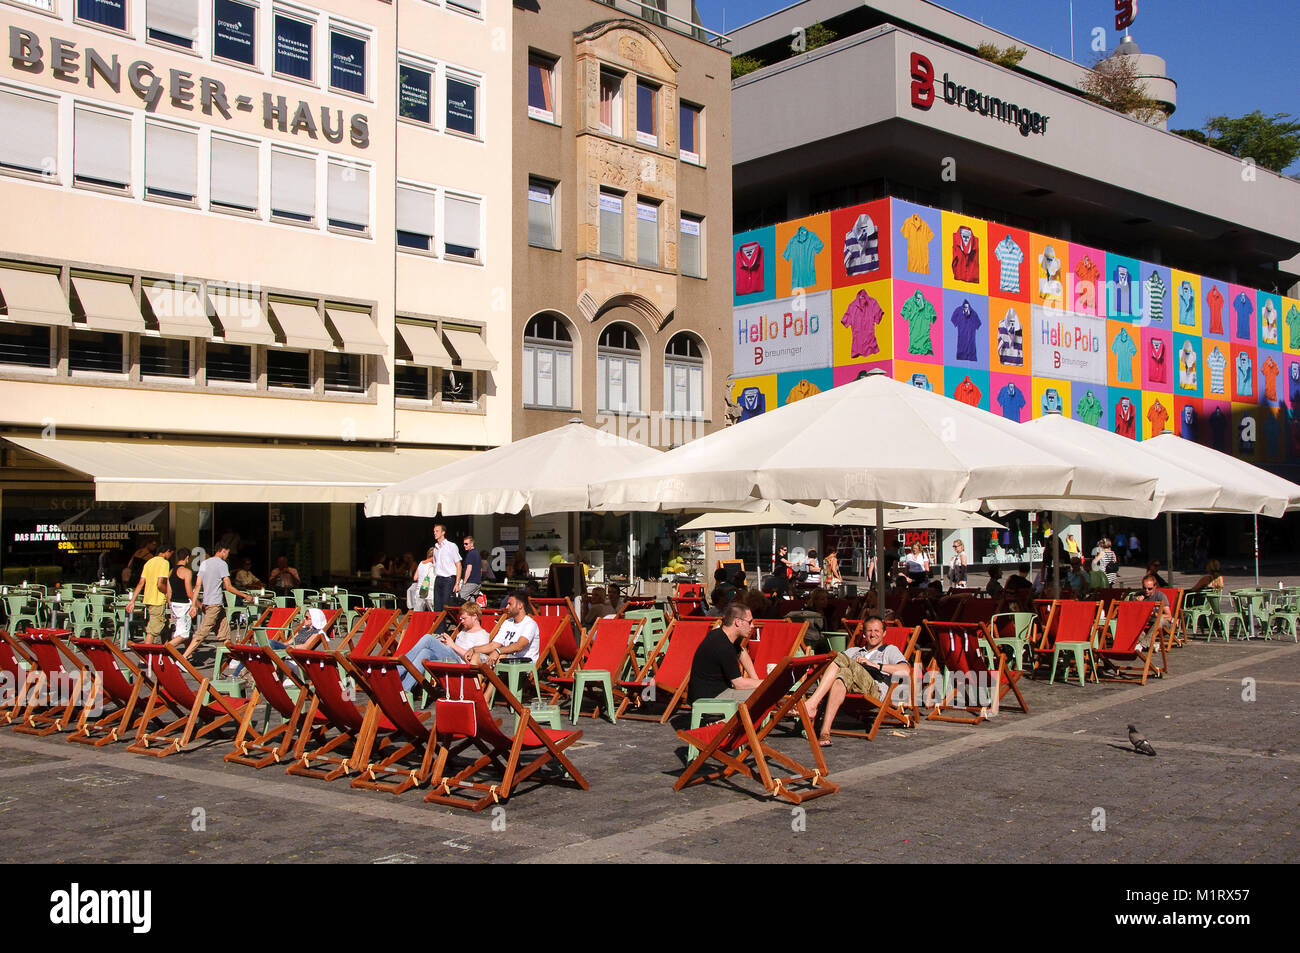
(788,334)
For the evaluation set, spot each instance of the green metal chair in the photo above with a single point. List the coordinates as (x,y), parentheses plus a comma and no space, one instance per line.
(1223,618)
(652,630)
(1197,609)
(1023,627)
(382,600)
(21,606)
(1252,607)
(1079,651)
(1286,610)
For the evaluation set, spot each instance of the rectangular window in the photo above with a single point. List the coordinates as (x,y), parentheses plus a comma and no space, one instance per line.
(461,221)
(458,387)
(348,198)
(618,384)
(172,21)
(29,133)
(288,369)
(462,105)
(548,377)
(101,351)
(415,93)
(541,87)
(234,174)
(611,102)
(109,13)
(25,345)
(468,6)
(684,390)
(647,119)
(293,186)
(411,382)
(345,373)
(234,32)
(415,218)
(164,357)
(101,149)
(347,63)
(230,363)
(647,233)
(611,224)
(541,214)
(292,47)
(171,162)
(689,144)
(689,246)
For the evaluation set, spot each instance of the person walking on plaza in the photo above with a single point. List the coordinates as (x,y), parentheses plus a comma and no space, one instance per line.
(180,590)
(446,568)
(831,578)
(957,568)
(214,583)
(153,580)
(471,580)
(420,594)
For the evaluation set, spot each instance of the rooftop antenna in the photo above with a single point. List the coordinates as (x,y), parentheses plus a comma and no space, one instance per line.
(1071,31)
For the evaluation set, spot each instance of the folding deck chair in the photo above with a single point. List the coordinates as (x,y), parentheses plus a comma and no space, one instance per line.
(568,638)
(550,629)
(1177,636)
(15,664)
(667,673)
(736,741)
(463,720)
(121,682)
(1131,620)
(409,730)
(770,642)
(1071,627)
(270,672)
(635,602)
(57,687)
(878,712)
(949,644)
(273,623)
(602,658)
(203,710)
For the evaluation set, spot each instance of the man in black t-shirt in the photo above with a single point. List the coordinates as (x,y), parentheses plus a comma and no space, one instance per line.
(472,578)
(721,667)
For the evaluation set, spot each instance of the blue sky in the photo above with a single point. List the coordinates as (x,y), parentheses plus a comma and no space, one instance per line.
(1227,58)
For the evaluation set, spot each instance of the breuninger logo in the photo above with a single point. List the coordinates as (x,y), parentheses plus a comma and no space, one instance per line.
(76,906)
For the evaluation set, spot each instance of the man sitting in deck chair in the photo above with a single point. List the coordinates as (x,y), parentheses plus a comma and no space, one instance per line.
(721,667)
(518,639)
(469,638)
(310,632)
(863,671)
(1163,623)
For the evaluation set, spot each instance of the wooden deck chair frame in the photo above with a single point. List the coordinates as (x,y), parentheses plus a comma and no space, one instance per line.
(267,746)
(371,629)
(743,736)
(1127,638)
(1008,678)
(1177,636)
(564,649)
(16,663)
(121,681)
(409,730)
(202,704)
(636,688)
(945,662)
(879,712)
(612,662)
(336,749)
(462,789)
(636,602)
(44,714)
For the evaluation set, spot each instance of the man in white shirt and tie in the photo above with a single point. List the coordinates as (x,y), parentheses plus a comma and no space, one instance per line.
(446,568)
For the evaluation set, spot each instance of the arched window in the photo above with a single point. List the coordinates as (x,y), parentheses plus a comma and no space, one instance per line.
(548,363)
(684,376)
(618,371)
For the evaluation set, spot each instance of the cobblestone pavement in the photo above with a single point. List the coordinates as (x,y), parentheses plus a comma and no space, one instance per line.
(1019,787)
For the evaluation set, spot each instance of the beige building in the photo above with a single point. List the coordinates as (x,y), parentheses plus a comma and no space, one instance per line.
(237,230)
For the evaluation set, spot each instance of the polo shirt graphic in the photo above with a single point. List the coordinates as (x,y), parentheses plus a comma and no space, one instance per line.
(1293,327)
(1269,371)
(919,380)
(1089,410)
(1187,367)
(1125,418)
(1245,379)
(1124,349)
(1009,256)
(1187,425)
(801,252)
(1214,301)
(1012,401)
(967,321)
(861,253)
(1158,417)
(919,315)
(1218,428)
(918,235)
(1085,286)
(749,268)
(1245,311)
(752,402)
(968,393)
(1011,349)
(1155,298)
(1186,304)
(1051,401)
(1156,362)
(861,318)
(1123,291)
(1268,322)
(965,255)
(1217,364)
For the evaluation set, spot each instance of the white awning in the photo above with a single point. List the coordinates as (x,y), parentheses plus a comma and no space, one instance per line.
(473,353)
(302,326)
(109,305)
(180,311)
(34,297)
(425,345)
(241,318)
(234,472)
(359,334)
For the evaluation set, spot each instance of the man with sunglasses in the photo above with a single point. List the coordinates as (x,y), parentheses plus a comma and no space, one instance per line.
(1164,622)
(721,667)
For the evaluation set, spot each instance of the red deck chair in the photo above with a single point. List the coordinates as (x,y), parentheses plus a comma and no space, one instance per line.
(565,648)
(57,687)
(1006,679)
(952,646)
(1070,621)
(372,629)
(635,602)
(900,710)
(329,753)
(606,649)
(689,590)
(258,749)
(121,683)
(274,623)
(491,618)
(1175,597)
(671,673)
(203,710)
(771,641)
(408,730)
(1132,619)
(738,740)
(687,606)
(463,720)
(15,664)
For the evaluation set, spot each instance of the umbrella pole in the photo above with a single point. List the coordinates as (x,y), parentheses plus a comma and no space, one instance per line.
(1256,519)
(880,559)
(1056,555)
(773,554)
(631,556)
(1169,544)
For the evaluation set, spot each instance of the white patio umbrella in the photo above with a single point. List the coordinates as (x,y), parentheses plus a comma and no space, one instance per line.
(779,513)
(871,442)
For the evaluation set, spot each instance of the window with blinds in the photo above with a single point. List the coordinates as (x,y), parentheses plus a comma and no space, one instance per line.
(29,133)
(541,214)
(611,224)
(461,237)
(293,187)
(175,22)
(416,211)
(234,181)
(691,231)
(101,149)
(171,156)
(348,197)
(647,233)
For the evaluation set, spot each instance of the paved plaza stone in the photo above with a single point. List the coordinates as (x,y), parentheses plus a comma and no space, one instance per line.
(1019,787)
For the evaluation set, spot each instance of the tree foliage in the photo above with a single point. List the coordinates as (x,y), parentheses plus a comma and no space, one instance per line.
(1010,57)
(1114,83)
(1272,141)
(819,34)
(740,65)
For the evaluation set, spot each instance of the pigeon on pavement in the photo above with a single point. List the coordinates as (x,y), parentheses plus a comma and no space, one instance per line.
(1139,742)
